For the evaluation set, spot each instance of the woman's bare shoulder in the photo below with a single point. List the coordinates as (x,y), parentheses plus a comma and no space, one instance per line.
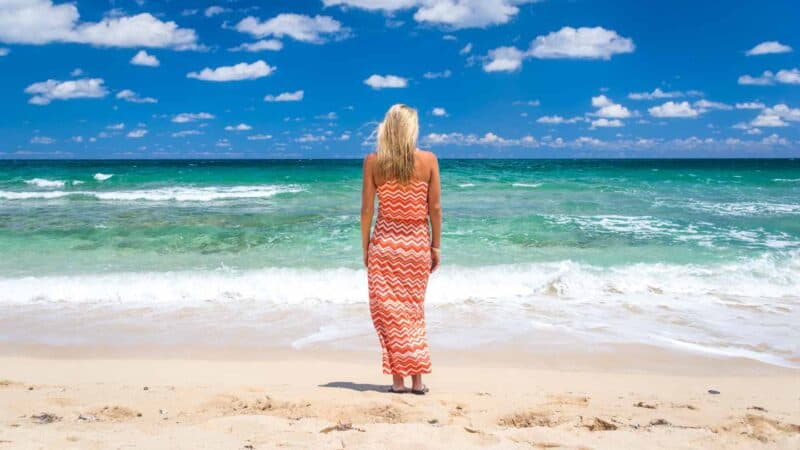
(427,155)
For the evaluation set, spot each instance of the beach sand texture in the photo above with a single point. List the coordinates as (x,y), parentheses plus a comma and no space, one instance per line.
(328,403)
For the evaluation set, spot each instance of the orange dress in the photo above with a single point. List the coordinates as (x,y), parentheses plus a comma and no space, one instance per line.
(398,266)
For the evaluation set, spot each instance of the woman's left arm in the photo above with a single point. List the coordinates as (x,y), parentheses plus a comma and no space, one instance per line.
(367,204)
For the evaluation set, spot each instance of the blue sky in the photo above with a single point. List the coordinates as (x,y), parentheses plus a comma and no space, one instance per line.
(311,78)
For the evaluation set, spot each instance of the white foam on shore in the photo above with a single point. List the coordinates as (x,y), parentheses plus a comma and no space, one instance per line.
(748,308)
(178,194)
(102,176)
(527,185)
(45,183)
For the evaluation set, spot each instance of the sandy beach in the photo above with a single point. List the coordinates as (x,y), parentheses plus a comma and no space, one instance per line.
(632,398)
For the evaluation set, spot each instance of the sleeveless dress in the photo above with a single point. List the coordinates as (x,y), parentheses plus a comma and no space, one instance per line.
(398,266)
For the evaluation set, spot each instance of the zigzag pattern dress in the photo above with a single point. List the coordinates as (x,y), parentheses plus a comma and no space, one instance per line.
(398,266)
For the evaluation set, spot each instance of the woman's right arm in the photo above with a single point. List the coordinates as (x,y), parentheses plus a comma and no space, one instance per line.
(367,205)
(435,212)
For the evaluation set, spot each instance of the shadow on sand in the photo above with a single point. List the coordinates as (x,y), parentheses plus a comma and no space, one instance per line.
(360,387)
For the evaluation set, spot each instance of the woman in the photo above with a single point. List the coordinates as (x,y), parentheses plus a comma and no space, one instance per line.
(402,251)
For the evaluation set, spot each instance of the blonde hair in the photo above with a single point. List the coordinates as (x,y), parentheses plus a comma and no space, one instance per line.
(397,142)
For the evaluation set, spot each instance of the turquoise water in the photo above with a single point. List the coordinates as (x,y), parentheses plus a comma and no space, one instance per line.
(698,254)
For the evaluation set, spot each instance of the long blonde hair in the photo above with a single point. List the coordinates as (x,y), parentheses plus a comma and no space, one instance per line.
(397,142)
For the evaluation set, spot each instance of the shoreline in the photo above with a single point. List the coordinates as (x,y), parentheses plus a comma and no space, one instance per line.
(336,399)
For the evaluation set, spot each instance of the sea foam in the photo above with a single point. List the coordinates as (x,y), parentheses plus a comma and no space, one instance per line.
(178,194)
(45,183)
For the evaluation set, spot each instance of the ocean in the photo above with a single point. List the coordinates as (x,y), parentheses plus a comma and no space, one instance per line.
(693,255)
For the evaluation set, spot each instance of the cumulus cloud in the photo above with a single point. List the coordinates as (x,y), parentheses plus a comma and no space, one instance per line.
(44,140)
(606,123)
(750,105)
(185,133)
(40,22)
(142,58)
(130,96)
(191,117)
(566,43)
(608,109)
(768,78)
(272,45)
(138,133)
(315,30)
(504,59)
(706,105)
(386,81)
(467,49)
(439,112)
(259,137)
(584,42)
(674,110)
(46,91)
(776,116)
(240,127)
(4,51)
(449,13)
(656,94)
(557,120)
(768,47)
(434,75)
(241,71)
(295,96)
(214,10)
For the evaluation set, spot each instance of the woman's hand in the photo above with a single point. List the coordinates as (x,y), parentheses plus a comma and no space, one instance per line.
(434,259)
(366,256)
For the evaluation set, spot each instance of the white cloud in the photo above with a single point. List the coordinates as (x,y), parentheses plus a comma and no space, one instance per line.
(41,22)
(608,109)
(116,126)
(567,43)
(315,30)
(185,133)
(214,10)
(308,138)
(776,116)
(46,91)
(259,137)
(488,139)
(191,117)
(76,72)
(589,43)
(768,47)
(705,105)
(142,58)
(504,59)
(130,96)
(467,49)
(439,112)
(750,105)
(656,94)
(138,133)
(241,71)
(557,120)
(767,78)
(44,140)
(774,139)
(674,110)
(295,96)
(329,116)
(434,75)
(450,13)
(273,45)
(386,81)
(788,76)
(4,51)
(240,127)
(605,123)
(768,121)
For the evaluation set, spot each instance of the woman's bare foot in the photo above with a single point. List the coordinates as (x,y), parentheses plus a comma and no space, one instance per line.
(398,384)
(416,383)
